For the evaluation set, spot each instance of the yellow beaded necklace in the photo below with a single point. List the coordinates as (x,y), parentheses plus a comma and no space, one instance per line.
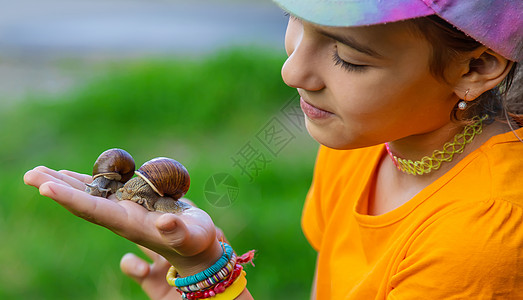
(429,163)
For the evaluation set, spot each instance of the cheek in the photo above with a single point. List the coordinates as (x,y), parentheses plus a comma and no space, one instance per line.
(379,93)
(361,95)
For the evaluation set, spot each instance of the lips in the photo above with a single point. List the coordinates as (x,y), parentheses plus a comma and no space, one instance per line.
(313,112)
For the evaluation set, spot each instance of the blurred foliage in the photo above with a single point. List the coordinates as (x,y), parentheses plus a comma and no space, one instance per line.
(200,111)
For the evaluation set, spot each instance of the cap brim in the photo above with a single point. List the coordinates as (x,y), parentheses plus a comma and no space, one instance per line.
(355,12)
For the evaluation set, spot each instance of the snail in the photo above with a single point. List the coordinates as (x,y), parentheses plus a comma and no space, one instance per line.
(111,170)
(159,184)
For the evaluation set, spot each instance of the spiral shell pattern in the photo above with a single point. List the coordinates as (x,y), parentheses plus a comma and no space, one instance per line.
(115,163)
(166,176)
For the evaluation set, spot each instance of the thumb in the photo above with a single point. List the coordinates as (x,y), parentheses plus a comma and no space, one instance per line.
(173,229)
(134,267)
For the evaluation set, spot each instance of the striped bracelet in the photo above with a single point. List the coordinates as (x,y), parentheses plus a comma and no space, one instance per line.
(209,272)
(221,289)
(211,281)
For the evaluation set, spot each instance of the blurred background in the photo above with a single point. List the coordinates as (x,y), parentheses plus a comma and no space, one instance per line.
(198,81)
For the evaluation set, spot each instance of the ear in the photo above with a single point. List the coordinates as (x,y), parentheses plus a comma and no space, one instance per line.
(485,70)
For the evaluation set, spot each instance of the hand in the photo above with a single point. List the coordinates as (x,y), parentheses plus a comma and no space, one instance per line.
(151,277)
(187,240)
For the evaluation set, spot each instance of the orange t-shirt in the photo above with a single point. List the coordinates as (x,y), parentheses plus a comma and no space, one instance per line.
(459,238)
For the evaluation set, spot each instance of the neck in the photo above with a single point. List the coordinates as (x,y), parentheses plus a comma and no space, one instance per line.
(417,147)
(394,188)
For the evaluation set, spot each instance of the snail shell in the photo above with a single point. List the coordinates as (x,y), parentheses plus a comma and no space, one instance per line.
(115,164)
(166,176)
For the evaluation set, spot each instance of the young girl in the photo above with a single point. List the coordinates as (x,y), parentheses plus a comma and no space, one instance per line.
(416,192)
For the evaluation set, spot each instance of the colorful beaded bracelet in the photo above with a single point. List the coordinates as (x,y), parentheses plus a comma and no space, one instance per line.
(208,282)
(172,274)
(222,262)
(221,290)
(235,289)
(226,289)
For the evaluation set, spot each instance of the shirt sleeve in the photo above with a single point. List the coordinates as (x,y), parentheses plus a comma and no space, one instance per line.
(474,252)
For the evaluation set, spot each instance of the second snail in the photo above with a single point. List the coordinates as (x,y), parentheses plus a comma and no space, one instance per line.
(159,183)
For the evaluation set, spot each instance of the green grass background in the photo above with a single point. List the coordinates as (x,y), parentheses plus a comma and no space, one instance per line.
(200,111)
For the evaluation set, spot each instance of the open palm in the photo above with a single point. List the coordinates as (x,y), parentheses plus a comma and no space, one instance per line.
(187,239)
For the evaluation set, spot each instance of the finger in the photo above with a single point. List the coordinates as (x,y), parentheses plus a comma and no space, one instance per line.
(66,178)
(160,264)
(155,257)
(150,277)
(56,177)
(93,209)
(134,267)
(125,218)
(39,176)
(84,178)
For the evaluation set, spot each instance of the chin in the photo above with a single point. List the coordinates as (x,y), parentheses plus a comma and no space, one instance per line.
(336,141)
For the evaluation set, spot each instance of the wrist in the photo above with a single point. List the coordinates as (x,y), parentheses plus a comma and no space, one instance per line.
(199,262)
(225,279)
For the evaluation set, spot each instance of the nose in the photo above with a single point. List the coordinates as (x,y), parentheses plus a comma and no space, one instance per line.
(302,67)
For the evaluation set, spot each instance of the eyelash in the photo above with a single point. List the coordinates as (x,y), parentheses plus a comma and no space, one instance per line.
(337,59)
(346,65)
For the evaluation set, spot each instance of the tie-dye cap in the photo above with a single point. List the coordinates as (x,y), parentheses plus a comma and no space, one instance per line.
(497,24)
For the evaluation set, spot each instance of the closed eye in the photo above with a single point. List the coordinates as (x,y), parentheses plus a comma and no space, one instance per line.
(346,65)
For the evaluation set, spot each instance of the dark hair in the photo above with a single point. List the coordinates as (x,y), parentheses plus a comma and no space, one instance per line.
(448,43)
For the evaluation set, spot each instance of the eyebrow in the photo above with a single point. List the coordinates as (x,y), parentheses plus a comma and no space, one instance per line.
(349,41)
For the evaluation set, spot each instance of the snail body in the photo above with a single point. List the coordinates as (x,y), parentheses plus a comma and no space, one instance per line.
(159,184)
(111,170)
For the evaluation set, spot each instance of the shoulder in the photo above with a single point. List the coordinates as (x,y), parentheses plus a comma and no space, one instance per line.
(492,172)
(472,251)
(500,167)
(486,235)
(479,227)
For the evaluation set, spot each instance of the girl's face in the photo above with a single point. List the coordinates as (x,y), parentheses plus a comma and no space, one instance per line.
(362,86)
